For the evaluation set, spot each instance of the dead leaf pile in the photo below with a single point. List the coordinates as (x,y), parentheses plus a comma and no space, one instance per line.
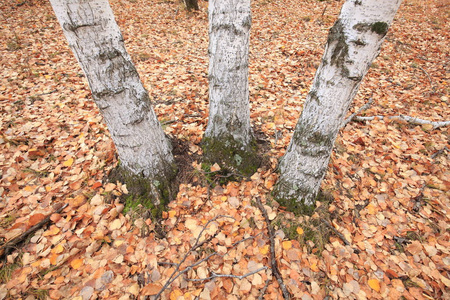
(389,180)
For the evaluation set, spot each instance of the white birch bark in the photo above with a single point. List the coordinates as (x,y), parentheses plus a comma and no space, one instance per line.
(353,43)
(229,113)
(98,45)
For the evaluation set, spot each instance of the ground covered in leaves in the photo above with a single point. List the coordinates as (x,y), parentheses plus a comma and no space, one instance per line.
(385,235)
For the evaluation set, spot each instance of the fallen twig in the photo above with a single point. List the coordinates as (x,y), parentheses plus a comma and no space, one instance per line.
(197,244)
(340,235)
(263,291)
(216,275)
(273,260)
(407,119)
(353,115)
(428,75)
(6,248)
(439,152)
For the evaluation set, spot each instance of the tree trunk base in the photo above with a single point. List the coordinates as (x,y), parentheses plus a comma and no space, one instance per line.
(296,204)
(231,155)
(153,194)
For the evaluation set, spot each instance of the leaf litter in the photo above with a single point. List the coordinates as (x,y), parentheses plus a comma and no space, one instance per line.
(389,180)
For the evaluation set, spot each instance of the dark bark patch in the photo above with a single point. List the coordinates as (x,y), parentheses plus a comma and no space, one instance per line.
(380,28)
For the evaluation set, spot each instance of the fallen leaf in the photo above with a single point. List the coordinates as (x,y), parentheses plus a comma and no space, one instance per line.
(374,284)
(76,263)
(68,162)
(151,289)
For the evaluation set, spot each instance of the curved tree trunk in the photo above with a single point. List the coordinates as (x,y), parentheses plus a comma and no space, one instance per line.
(353,43)
(228,139)
(97,43)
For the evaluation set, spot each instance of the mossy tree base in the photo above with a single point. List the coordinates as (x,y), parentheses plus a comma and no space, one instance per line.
(152,193)
(297,205)
(232,155)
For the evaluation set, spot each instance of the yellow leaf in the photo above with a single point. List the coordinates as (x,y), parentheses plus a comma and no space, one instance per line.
(374,284)
(175,294)
(76,263)
(223,198)
(314,267)
(68,162)
(299,230)
(172,213)
(264,250)
(58,249)
(286,245)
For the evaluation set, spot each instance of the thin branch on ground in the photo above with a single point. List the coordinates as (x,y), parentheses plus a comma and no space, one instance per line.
(6,248)
(340,235)
(273,260)
(439,152)
(362,108)
(196,245)
(428,75)
(408,119)
(217,275)
(263,291)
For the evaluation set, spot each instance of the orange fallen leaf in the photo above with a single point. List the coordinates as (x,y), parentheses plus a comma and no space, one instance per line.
(68,162)
(76,263)
(286,245)
(34,219)
(264,250)
(374,284)
(151,289)
(300,230)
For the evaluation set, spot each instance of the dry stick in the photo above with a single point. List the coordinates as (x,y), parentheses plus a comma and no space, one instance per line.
(196,245)
(208,257)
(408,119)
(273,260)
(353,115)
(340,235)
(217,275)
(439,152)
(263,291)
(4,250)
(428,75)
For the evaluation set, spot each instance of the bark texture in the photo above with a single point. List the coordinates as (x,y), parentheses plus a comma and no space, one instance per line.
(353,43)
(98,45)
(228,138)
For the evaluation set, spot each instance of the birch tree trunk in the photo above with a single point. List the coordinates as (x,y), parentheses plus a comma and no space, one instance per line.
(96,40)
(353,43)
(228,139)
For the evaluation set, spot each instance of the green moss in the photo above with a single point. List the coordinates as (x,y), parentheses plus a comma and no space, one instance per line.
(380,28)
(231,155)
(310,232)
(6,272)
(146,194)
(39,294)
(340,50)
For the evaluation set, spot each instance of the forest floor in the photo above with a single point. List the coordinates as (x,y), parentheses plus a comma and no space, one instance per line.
(385,235)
